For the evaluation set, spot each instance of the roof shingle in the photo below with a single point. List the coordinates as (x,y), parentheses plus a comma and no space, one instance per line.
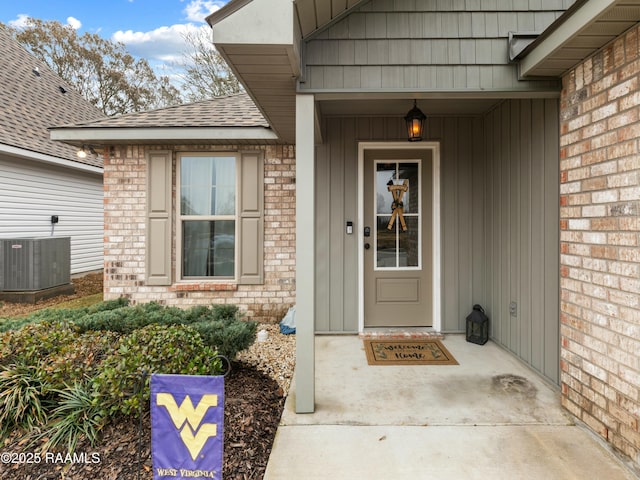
(231,111)
(32,99)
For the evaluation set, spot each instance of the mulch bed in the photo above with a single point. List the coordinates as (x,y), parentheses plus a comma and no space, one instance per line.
(253,406)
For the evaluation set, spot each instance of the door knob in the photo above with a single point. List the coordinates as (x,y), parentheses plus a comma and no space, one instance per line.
(367,246)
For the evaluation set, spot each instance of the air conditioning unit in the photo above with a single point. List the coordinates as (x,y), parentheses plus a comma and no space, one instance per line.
(32,264)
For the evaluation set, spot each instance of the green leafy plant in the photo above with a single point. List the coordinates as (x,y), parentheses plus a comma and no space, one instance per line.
(176,349)
(23,395)
(79,414)
(61,314)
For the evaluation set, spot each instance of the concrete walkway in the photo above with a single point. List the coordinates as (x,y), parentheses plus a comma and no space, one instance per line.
(488,418)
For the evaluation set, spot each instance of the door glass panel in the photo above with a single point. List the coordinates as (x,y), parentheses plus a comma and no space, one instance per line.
(409,246)
(397,197)
(385,243)
(385,173)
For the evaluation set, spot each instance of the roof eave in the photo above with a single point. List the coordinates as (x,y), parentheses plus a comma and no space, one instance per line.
(229,9)
(577,18)
(49,159)
(80,136)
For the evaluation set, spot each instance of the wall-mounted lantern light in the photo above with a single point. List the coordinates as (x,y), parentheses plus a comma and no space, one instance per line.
(415,123)
(87,150)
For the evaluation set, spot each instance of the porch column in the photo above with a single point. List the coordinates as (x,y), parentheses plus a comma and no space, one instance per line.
(305,254)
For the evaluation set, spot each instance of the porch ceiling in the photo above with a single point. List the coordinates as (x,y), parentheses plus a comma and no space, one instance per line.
(314,15)
(587,26)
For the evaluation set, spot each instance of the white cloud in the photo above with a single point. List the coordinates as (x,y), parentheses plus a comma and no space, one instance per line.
(74,23)
(19,22)
(164,44)
(198,10)
(164,47)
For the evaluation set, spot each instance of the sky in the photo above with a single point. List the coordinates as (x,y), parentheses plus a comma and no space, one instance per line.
(150,29)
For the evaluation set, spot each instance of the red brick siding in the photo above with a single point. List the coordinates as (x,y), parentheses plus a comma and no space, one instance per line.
(600,237)
(125,211)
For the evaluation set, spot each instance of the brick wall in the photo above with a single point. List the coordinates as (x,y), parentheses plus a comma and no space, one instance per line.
(125,237)
(600,236)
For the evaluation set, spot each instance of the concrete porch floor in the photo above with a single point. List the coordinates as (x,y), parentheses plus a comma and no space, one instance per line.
(490,417)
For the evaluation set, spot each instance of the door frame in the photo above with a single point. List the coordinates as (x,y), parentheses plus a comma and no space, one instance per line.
(402,147)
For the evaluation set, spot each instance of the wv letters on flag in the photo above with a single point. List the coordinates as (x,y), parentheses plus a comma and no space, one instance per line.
(187,420)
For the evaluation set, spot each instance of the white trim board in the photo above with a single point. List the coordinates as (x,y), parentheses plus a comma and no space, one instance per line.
(437,280)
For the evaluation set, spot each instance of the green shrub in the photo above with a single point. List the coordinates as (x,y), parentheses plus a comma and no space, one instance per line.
(36,341)
(78,414)
(176,349)
(60,353)
(60,315)
(228,338)
(221,326)
(23,395)
(126,320)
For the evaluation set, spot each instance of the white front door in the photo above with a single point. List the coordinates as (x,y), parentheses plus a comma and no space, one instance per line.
(398,238)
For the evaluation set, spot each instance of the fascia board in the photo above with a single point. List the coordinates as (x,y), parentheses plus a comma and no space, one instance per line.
(204,134)
(583,17)
(51,160)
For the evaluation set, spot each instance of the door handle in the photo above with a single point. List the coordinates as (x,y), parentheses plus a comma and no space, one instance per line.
(367,246)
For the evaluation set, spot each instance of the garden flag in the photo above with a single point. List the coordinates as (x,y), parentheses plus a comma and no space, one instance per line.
(187,419)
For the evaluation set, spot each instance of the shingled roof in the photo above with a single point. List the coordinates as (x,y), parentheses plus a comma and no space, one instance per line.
(232,111)
(231,119)
(32,99)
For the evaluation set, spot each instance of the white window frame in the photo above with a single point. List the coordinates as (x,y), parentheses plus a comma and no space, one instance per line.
(376,215)
(180,218)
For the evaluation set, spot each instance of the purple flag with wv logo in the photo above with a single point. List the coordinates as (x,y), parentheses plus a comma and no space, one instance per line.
(187,420)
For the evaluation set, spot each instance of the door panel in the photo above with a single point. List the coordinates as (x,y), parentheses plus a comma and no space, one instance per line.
(398,251)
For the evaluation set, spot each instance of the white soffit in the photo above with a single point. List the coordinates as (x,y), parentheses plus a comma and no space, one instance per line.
(577,34)
(260,41)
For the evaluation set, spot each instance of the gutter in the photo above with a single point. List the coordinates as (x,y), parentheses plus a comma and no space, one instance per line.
(229,9)
(41,157)
(165,134)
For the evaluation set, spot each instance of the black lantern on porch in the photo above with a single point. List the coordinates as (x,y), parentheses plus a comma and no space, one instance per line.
(477,326)
(415,123)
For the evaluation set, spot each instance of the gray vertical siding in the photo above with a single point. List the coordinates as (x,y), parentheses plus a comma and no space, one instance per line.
(499,210)
(462,202)
(521,230)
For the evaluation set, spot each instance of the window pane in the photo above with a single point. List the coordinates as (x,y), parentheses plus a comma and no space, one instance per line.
(385,243)
(208,248)
(409,243)
(409,172)
(385,173)
(208,186)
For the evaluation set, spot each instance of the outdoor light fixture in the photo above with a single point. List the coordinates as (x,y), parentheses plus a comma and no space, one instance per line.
(85,151)
(415,123)
(477,326)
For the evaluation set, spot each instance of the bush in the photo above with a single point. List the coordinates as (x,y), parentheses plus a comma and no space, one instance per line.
(228,338)
(36,341)
(78,414)
(23,395)
(59,315)
(60,353)
(221,326)
(176,349)
(65,373)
